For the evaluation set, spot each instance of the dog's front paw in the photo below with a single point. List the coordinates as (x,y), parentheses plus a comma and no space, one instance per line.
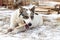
(9,30)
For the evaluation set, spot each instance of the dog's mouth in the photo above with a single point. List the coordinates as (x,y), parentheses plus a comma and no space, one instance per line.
(27,26)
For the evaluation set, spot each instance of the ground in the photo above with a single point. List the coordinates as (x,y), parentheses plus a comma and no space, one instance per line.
(48,31)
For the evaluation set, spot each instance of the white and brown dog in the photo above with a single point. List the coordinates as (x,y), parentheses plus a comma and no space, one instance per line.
(24,18)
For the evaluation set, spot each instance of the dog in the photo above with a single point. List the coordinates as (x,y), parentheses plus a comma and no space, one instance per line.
(26,17)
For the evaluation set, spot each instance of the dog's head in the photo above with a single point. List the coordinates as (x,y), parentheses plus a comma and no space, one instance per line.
(27,15)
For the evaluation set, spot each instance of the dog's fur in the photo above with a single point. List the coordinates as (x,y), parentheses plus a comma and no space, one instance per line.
(25,17)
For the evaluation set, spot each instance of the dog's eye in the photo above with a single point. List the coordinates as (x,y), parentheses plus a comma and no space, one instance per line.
(32,17)
(25,17)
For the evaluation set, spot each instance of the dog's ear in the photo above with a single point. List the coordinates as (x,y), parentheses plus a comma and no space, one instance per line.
(21,9)
(33,9)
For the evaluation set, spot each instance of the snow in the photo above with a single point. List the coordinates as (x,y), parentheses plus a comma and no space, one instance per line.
(48,31)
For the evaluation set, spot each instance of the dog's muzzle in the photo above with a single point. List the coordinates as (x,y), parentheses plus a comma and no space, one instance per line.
(27,25)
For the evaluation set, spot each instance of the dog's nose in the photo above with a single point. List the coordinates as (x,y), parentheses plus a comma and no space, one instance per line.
(29,24)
